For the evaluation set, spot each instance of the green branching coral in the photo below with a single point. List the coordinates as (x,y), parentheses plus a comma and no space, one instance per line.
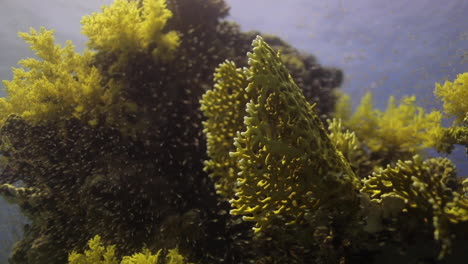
(285,173)
(288,164)
(352,149)
(345,141)
(316,82)
(364,120)
(124,33)
(110,142)
(98,253)
(425,191)
(224,108)
(404,130)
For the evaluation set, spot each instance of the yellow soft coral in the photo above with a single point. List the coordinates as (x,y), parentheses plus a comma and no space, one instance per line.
(98,253)
(364,121)
(128,26)
(146,257)
(406,127)
(343,106)
(63,84)
(398,132)
(454,95)
(60,83)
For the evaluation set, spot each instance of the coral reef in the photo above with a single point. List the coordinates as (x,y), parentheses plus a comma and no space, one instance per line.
(289,173)
(282,143)
(297,182)
(110,142)
(135,145)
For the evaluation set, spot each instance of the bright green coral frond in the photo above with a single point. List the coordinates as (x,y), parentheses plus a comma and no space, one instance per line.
(345,141)
(454,96)
(416,181)
(288,164)
(155,17)
(224,107)
(128,26)
(349,145)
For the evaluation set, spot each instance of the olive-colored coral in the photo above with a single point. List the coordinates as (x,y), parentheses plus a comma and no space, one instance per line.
(352,149)
(286,159)
(318,83)
(425,191)
(224,108)
(289,174)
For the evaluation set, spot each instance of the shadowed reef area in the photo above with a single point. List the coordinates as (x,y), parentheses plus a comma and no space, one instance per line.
(177,138)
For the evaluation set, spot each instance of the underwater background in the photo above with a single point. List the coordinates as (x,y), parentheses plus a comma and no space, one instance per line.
(385,47)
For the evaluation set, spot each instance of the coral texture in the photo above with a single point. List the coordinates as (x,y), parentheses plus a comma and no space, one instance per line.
(286,159)
(110,142)
(290,176)
(135,145)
